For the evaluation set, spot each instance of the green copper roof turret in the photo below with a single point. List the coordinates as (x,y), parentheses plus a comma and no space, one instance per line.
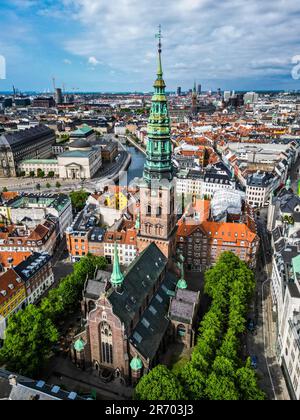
(117,277)
(182,284)
(79,345)
(288,184)
(136,364)
(158,164)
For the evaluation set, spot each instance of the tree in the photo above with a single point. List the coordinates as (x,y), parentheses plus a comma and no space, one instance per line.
(58,185)
(214,371)
(78,199)
(53,305)
(193,381)
(29,337)
(38,187)
(32,174)
(159,384)
(221,387)
(51,174)
(32,332)
(40,173)
(247,384)
(4,189)
(48,185)
(86,266)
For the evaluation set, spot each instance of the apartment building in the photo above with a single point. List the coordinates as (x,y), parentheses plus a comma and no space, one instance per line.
(32,209)
(12,297)
(37,275)
(17,243)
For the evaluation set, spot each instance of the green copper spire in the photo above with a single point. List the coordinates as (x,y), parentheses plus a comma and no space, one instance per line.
(138,222)
(182,284)
(288,184)
(159,69)
(117,277)
(158,164)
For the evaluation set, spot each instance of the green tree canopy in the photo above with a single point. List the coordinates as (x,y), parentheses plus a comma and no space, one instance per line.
(29,336)
(159,384)
(78,199)
(32,332)
(247,383)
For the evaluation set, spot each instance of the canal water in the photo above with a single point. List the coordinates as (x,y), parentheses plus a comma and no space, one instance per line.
(136,167)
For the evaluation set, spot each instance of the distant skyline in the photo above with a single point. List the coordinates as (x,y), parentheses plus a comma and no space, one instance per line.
(96,45)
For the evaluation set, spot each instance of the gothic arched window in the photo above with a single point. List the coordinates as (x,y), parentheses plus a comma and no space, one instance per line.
(106,343)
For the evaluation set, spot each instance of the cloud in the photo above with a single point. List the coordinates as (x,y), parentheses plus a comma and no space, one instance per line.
(207,40)
(202,39)
(93,61)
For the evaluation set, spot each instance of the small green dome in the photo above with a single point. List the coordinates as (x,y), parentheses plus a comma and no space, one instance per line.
(182,284)
(79,345)
(136,364)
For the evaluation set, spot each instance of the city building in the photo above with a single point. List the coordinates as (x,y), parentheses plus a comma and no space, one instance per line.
(109,149)
(203,236)
(126,242)
(216,180)
(32,209)
(77,234)
(12,297)
(284,225)
(32,167)
(17,243)
(37,275)
(19,388)
(81,161)
(251,98)
(84,133)
(189,182)
(43,102)
(260,187)
(59,100)
(33,143)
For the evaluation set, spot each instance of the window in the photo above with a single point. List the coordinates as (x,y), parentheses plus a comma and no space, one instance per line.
(159,212)
(181,331)
(106,343)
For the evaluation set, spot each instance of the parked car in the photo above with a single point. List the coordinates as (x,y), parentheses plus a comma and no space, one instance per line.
(254,362)
(251,325)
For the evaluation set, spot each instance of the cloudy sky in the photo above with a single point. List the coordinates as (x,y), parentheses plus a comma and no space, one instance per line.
(109,45)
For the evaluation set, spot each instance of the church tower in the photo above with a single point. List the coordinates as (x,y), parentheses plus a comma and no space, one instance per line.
(195,101)
(157,218)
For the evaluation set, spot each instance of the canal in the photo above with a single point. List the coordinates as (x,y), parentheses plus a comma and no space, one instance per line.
(136,167)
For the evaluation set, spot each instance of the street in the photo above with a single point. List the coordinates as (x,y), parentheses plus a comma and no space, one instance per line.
(262,344)
(104,176)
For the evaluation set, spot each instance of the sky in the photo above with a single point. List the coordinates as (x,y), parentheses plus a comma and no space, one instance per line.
(109,45)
